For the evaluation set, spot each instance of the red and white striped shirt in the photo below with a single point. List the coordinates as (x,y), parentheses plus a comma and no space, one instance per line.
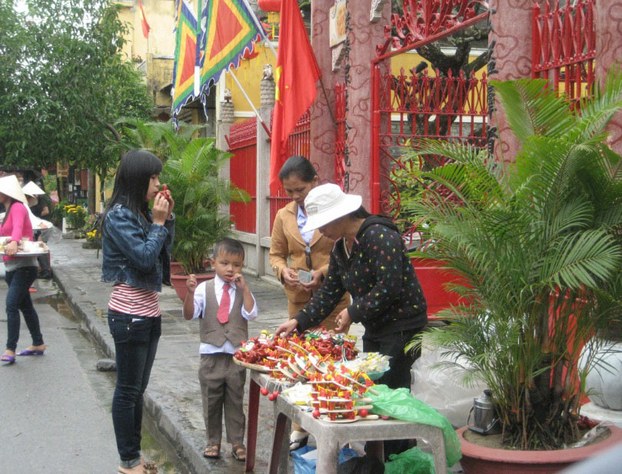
(128,299)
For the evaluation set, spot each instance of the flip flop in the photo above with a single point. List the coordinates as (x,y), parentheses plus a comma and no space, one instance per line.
(30,352)
(212,452)
(239,453)
(7,358)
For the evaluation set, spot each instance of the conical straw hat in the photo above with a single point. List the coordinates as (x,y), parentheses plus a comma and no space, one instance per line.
(9,186)
(31,189)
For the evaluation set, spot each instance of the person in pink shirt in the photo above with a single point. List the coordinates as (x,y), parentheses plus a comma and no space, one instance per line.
(21,272)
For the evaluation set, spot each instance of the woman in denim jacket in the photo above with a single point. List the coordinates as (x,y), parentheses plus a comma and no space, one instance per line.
(136,242)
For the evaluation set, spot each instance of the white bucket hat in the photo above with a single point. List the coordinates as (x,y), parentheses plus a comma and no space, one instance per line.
(9,186)
(31,189)
(328,202)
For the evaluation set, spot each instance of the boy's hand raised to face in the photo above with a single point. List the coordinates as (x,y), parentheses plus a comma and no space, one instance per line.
(239,281)
(191,282)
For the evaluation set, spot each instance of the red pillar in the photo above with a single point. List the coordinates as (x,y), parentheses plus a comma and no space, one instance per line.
(363,36)
(511,32)
(323,127)
(608,18)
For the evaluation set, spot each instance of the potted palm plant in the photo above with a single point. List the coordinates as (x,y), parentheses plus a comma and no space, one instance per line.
(199,192)
(537,244)
(191,172)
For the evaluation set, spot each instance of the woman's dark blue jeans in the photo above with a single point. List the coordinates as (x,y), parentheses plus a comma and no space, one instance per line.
(136,341)
(18,299)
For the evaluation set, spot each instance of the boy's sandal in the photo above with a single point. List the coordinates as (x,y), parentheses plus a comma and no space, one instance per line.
(212,452)
(239,452)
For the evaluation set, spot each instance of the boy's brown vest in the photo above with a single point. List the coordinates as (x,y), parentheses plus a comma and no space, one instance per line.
(214,333)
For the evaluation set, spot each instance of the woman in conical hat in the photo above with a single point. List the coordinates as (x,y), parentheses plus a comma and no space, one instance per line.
(21,272)
(39,207)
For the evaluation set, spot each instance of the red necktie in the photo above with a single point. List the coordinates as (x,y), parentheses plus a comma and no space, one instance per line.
(223,308)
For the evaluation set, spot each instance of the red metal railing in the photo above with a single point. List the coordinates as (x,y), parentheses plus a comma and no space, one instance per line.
(564,47)
(299,143)
(421,22)
(413,106)
(243,165)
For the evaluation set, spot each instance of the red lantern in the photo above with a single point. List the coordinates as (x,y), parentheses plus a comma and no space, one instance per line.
(270,5)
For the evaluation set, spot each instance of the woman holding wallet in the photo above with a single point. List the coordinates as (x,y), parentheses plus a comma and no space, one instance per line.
(295,255)
(293,252)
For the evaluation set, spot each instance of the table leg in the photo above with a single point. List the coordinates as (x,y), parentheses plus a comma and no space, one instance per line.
(327,455)
(251,428)
(375,449)
(438,451)
(280,433)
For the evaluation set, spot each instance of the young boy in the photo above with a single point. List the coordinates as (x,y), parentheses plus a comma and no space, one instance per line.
(224,305)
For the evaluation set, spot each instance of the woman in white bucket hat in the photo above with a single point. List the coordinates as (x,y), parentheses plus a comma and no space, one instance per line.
(369,261)
(21,272)
(294,253)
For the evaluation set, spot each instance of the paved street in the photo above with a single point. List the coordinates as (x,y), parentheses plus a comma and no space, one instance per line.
(56,418)
(53,419)
(65,410)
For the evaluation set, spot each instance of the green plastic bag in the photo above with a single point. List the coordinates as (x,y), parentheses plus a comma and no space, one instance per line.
(411,461)
(401,405)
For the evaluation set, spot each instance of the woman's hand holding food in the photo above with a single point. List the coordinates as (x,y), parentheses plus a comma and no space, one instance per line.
(343,321)
(286,328)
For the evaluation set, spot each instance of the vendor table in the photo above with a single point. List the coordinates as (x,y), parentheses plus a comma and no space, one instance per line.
(331,436)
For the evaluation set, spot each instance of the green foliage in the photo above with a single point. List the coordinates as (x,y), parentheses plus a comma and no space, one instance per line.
(64,81)
(191,172)
(538,244)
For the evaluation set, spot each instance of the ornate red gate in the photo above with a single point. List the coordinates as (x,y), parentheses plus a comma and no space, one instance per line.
(564,46)
(449,101)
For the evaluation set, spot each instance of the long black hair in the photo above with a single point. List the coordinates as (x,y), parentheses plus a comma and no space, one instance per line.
(131,182)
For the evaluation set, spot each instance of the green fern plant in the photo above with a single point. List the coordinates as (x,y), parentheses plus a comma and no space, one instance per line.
(538,244)
(191,171)
(199,193)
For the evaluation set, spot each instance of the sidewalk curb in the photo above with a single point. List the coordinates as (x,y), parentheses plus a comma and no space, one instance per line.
(166,427)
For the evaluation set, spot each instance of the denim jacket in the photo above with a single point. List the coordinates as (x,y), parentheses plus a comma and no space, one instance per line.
(136,251)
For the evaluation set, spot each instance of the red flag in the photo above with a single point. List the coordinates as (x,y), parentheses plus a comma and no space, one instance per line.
(296,76)
(145,25)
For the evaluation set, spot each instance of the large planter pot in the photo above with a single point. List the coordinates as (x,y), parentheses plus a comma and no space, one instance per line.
(480,459)
(178,281)
(603,383)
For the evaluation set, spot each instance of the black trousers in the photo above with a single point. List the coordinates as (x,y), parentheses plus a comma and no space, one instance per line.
(399,373)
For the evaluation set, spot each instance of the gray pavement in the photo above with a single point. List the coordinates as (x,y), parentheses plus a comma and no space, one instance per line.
(173,397)
(53,418)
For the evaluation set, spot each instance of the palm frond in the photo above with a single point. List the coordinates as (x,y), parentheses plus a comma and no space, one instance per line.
(532,108)
(539,250)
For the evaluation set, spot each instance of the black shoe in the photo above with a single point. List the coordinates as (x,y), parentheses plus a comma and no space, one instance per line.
(45,275)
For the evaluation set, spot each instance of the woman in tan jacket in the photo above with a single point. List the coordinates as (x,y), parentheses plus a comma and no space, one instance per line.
(293,253)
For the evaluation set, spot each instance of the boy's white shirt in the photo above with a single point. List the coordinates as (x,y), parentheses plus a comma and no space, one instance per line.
(199,306)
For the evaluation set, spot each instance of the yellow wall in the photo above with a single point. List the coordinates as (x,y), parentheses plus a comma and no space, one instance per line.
(249,73)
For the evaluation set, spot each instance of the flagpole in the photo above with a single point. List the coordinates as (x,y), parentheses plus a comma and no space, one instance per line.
(259,26)
(197,65)
(263,124)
